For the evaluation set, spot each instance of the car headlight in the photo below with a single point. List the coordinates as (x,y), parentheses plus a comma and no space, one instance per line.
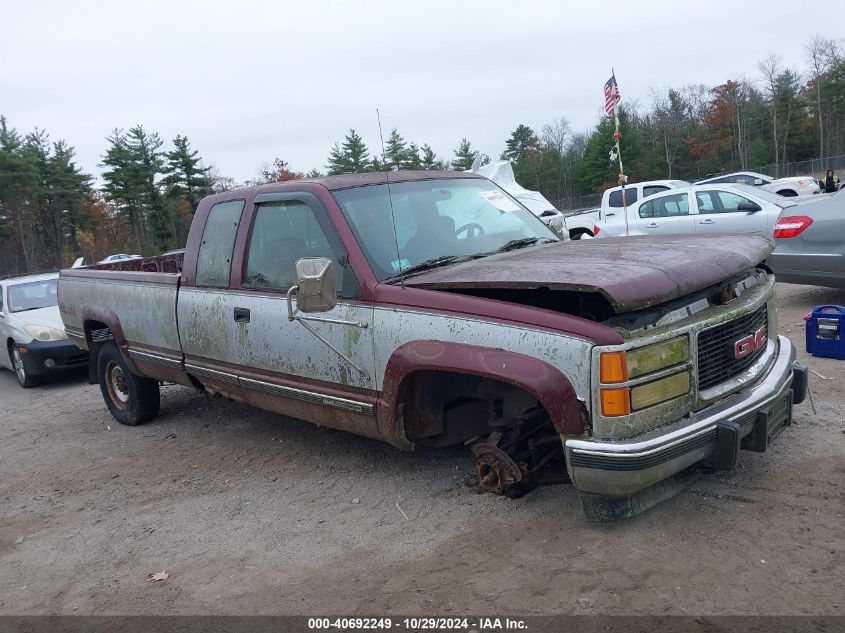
(44,333)
(621,366)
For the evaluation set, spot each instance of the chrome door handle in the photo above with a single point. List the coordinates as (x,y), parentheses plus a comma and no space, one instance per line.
(706,222)
(653,225)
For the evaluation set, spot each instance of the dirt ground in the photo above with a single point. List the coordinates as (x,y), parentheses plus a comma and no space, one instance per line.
(251,513)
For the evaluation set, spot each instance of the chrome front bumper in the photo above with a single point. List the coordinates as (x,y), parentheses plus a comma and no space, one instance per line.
(749,418)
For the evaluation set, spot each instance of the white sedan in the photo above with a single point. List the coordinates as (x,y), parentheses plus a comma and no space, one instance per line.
(34,339)
(789,187)
(118,258)
(700,209)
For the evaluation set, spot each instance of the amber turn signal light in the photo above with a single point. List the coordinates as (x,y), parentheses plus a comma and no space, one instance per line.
(615,402)
(613,367)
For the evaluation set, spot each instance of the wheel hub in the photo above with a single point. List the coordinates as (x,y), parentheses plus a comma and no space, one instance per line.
(116,382)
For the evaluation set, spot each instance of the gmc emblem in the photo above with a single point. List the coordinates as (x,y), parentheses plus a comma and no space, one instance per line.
(750,344)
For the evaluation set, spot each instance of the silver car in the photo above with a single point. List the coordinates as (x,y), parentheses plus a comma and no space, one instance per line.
(810,242)
(34,339)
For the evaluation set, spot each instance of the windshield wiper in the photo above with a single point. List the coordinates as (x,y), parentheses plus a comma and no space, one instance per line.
(28,309)
(513,245)
(428,264)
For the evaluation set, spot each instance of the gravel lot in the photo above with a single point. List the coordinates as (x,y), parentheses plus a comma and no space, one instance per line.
(251,513)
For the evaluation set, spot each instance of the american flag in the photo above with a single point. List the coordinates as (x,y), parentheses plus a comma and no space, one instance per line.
(611,95)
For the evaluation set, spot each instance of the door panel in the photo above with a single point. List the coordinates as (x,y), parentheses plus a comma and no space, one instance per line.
(665,214)
(718,213)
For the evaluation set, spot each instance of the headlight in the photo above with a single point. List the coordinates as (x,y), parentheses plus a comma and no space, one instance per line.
(44,333)
(621,366)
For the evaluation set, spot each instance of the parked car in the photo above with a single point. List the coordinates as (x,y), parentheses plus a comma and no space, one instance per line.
(118,258)
(34,339)
(789,187)
(432,309)
(582,223)
(810,243)
(701,209)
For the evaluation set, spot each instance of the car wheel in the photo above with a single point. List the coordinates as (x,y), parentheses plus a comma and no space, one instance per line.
(787,193)
(579,233)
(25,379)
(131,399)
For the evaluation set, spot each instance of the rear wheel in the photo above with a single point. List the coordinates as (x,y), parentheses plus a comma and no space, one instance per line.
(577,234)
(25,379)
(131,399)
(788,193)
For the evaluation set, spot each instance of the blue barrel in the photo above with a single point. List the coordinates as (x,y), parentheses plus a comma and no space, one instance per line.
(826,332)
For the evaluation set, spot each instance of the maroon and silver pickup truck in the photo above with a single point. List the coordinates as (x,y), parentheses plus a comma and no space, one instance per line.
(432,309)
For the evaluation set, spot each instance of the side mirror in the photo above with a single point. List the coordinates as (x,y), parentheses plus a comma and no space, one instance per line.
(317,288)
(747,205)
(758,182)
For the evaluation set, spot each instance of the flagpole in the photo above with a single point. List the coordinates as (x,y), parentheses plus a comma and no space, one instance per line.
(622,177)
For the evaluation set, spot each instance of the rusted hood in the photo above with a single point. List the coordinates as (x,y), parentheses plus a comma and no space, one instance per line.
(631,272)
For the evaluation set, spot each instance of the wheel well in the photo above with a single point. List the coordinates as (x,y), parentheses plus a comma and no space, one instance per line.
(443,408)
(96,334)
(788,193)
(575,234)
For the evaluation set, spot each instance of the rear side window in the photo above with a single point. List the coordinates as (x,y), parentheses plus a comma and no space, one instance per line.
(665,207)
(214,263)
(615,199)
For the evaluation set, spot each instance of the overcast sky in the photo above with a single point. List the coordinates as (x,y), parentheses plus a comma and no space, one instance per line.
(250,81)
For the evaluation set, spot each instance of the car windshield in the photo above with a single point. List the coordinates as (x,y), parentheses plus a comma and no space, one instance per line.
(768,196)
(33,295)
(435,219)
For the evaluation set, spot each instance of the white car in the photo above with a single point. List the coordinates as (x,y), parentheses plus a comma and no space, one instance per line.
(34,339)
(789,187)
(117,258)
(701,209)
(580,224)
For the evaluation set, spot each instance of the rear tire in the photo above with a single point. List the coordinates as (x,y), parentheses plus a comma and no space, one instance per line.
(131,399)
(787,193)
(25,379)
(577,234)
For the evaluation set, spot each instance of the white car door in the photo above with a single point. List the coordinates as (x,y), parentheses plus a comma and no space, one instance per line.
(721,211)
(666,213)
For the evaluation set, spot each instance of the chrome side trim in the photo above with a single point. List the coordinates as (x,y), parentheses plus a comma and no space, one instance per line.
(211,373)
(155,358)
(309,396)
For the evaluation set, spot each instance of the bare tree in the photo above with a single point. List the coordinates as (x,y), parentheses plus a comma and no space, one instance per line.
(770,68)
(820,53)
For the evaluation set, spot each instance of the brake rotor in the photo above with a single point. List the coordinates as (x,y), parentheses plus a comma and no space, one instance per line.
(497,472)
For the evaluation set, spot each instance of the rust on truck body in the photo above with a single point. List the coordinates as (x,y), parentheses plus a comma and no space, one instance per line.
(498,351)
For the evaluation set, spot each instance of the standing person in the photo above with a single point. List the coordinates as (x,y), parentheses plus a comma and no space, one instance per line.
(830,184)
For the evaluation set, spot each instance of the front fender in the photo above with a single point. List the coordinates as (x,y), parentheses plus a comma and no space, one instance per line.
(546,383)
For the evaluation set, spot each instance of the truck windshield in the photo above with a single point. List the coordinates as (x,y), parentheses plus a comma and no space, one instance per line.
(434,219)
(33,295)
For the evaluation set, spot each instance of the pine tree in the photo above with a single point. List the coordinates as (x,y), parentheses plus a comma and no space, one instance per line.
(411,159)
(464,156)
(350,157)
(395,151)
(522,140)
(429,159)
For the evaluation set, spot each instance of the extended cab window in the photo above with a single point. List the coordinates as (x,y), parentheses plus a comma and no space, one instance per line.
(615,199)
(284,232)
(214,262)
(665,207)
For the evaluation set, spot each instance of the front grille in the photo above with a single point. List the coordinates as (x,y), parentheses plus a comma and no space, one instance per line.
(716,360)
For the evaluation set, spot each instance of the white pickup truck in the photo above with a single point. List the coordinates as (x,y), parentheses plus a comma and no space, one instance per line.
(581,224)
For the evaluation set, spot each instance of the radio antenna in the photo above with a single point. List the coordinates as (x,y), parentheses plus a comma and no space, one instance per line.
(390,199)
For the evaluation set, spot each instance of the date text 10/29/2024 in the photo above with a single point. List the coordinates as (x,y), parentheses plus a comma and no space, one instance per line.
(486,624)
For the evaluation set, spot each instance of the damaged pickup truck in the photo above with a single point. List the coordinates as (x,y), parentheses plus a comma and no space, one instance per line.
(433,309)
